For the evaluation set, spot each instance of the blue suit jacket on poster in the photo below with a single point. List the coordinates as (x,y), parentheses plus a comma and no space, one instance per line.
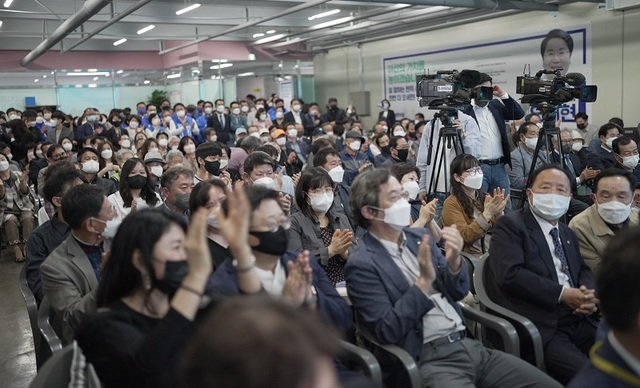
(386,303)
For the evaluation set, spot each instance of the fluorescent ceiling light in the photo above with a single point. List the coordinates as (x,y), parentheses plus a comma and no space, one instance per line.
(246,74)
(334,22)
(92,85)
(44,76)
(258,35)
(147,28)
(1,23)
(89,74)
(119,71)
(221,66)
(7,3)
(269,39)
(92,70)
(187,9)
(220,60)
(271,32)
(78,85)
(95,78)
(324,14)
(175,75)
(36,80)
(147,82)
(119,42)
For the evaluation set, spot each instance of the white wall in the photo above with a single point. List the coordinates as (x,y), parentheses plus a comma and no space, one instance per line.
(615,44)
(15,97)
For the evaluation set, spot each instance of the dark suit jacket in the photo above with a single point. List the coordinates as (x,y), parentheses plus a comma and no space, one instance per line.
(592,377)
(508,109)
(386,304)
(222,133)
(522,276)
(306,123)
(87,130)
(390,119)
(600,159)
(65,132)
(330,304)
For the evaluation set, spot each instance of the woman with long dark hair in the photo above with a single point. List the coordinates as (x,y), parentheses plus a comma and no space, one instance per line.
(473,211)
(136,189)
(152,287)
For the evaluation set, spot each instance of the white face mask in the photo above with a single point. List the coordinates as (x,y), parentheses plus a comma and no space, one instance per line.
(167,119)
(264,139)
(321,203)
(213,222)
(336,174)
(292,133)
(355,145)
(399,133)
(189,148)
(473,181)
(540,125)
(263,117)
(296,108)
(39,153)
(279,115)
(630,162)
(126,143)
(9,156)
(576,147)
(90,167)
(416,121)
(267,182)
(385,128)
(151,112)
(236,111)
(224,163)
(397,215)
(106,154)
(39,120)
(610,141)
(614,212)
(550,206)
(531,142)
(157,171)
(349,111)
(244,109)
(259,106)
(47,116)
(220,108)
(281,141)
(155,121)
(163,142)
(111,228)
(385,105)
(412,188)
(208,110)
(13,116)
(67,146)
(133,125)
(214,138)
(4,165)
(180,113)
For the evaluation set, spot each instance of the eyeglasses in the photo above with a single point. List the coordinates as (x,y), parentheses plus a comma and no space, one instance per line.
(474,170)
(320,191)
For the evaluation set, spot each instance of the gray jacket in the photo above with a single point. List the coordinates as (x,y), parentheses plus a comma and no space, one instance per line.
(305,234)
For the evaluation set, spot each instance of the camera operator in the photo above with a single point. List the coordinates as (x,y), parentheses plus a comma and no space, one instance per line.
(470,135)
(494,152)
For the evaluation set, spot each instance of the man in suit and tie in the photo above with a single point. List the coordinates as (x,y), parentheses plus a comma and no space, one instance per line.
(579,174)
(70,274)
(221,122)
(495,151)
(625,150)
(616,361)
(405,292)
(303,123)
(536,270)
(57,132)
(603,157)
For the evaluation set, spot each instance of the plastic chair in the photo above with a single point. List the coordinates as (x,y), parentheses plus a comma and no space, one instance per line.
(56,372)
(51,340)
(352,354)
(508,333)
(32,311)
(526,329)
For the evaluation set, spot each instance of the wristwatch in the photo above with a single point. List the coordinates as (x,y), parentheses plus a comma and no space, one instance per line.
(313,299)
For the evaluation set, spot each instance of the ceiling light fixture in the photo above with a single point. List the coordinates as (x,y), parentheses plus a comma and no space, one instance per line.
(7,3)
(93,85)
(36,80)
(221,66)
(219,60)
(1,23)
(324,14)
(246,74)
(258,35)
(119,42)
(44,76)
(175,75)
(92,70)
(333,22)
(146,29)
(271,32)
(95,78)
(88,74)
(119,71)
(147,82)
(269,39)
(187,9)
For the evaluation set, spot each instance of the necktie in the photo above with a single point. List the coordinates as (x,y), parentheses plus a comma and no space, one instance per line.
(567,162)
(559,251)
(221,119)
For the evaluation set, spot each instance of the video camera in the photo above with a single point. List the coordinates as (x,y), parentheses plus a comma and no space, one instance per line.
(450,88)
(556,91)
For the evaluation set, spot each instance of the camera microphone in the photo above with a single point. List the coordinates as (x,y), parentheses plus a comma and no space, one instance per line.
(575,79)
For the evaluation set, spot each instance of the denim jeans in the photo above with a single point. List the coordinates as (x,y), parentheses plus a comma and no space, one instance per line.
(495,177)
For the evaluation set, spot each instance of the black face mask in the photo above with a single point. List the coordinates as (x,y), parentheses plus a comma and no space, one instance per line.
(174,273)
(402,154)
(137,181)
(166,107)
(385,150)
(581,126)
(116,123)
(212,168)
(566,149)
(272,243)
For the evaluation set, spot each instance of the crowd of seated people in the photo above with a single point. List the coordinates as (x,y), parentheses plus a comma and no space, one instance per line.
(158,221)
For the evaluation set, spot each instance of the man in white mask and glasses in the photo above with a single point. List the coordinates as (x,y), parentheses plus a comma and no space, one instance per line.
(405,292)
(610,213)
(536,270)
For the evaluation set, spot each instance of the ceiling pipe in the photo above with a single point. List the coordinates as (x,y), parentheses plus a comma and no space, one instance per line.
(108,24)
(289,11)
(88,10)
(481,4)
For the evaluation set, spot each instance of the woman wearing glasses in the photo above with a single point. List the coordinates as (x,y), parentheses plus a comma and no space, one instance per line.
(473,211)
(326,234)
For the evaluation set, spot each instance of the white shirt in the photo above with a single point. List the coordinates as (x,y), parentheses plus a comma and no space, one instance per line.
(627,357)
(296,117)
(546,227)
(442,319)
(273,282)
(118,204)
(491,145)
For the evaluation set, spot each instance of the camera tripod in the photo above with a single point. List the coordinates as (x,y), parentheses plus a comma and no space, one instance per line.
(448,137)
